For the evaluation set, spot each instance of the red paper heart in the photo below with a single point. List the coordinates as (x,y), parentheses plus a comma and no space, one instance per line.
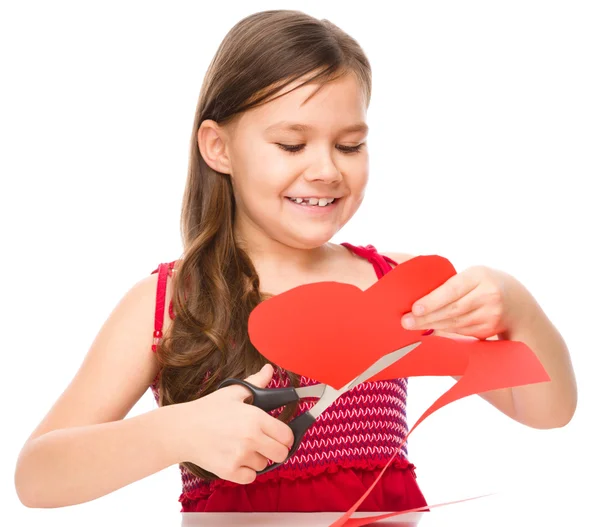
(313,329)
(332,332)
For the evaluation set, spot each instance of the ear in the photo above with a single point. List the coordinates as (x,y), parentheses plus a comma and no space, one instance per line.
(212,142)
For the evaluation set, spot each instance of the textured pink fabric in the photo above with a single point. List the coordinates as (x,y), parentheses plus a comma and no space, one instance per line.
(340,455)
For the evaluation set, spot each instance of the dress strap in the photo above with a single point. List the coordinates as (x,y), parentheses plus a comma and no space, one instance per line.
(164,270)
(381,262)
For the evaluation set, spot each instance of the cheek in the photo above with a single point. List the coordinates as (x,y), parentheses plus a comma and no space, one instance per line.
(357,184)
(266,157)
(255,172)
(358,178)
(256,193)
(267,170)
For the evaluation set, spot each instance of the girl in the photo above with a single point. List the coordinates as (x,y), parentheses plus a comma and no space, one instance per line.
(279,164)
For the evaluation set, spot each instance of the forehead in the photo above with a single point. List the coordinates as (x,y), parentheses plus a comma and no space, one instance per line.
(335,105)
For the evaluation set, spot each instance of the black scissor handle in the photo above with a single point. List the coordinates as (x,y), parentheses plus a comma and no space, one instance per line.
(269,399)
(264,398)
(299,426)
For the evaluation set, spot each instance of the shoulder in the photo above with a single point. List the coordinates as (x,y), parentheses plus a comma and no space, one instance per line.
(398,258)
(139,302)
(146,305)
(149,284)
(159,286)
(369,250)
(170,266)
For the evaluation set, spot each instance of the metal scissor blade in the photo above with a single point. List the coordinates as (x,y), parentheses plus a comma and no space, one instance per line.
(314,390)
(330,394)
(381,364)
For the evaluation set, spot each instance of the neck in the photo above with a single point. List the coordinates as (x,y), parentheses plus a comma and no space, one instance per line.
(268,253)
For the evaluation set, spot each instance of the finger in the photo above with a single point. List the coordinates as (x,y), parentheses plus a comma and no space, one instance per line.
(273,450)
(277,430)
(480,331)
(450,291)
(260,379)
(458,308)
(243,476)
(451,325)
(255,461)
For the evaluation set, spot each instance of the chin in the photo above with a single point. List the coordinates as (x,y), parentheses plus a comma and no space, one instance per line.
(308,240)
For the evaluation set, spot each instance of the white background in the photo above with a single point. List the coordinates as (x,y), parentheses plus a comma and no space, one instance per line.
(484,146)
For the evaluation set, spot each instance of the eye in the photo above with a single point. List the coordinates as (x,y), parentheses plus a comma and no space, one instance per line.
(292,149)
(350,149)
(295,149)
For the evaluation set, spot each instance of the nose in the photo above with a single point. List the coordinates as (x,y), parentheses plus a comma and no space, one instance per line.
(323,169)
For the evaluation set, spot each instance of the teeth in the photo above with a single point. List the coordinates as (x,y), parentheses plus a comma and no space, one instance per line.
(321,202)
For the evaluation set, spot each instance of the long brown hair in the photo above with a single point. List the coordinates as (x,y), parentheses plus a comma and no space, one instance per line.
(216,285)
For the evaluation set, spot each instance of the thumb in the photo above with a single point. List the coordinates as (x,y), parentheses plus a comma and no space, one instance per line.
(262,378)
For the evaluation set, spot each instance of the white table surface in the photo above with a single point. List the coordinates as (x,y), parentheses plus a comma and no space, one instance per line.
(490,511)
(565,504)
(288,519)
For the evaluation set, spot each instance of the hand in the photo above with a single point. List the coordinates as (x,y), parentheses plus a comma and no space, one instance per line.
(232,439)
(472,303)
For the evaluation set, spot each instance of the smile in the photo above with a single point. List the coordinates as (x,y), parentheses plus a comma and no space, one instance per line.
(312,202)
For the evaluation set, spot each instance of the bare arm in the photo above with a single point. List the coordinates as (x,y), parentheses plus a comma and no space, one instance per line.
(549,404)
(74,465)
(542,405)
(83,448)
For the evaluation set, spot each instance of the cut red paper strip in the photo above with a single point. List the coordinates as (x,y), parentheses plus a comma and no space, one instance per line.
(313,328)
(359,522)
(350,329)
(490,365)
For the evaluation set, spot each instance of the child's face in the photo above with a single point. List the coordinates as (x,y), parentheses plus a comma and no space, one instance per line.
(265,176)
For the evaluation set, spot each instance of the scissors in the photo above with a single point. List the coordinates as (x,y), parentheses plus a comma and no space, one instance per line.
(268,399)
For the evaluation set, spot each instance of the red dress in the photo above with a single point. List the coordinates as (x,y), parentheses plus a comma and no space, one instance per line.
(340,456)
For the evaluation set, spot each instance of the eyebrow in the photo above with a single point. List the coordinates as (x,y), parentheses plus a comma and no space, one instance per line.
(298,127)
